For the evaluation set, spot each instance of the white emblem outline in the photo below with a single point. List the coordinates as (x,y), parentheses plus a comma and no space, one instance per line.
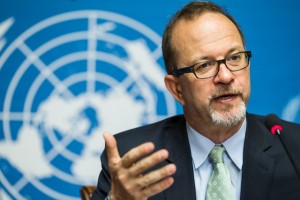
(33,58)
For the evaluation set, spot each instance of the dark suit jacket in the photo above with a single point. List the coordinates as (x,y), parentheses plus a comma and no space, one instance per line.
(267,171)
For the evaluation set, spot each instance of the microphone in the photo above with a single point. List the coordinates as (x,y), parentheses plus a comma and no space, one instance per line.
(273,123)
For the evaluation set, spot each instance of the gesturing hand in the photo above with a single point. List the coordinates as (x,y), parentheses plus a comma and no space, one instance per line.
(128,180)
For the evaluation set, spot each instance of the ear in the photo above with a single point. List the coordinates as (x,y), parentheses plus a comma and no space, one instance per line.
(173,85)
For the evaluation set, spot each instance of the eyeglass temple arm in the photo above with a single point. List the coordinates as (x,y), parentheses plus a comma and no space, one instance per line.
(178,72)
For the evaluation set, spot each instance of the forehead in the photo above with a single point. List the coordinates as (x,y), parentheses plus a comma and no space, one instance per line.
(208,30)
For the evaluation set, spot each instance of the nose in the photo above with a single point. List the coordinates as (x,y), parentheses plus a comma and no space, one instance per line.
(224,75)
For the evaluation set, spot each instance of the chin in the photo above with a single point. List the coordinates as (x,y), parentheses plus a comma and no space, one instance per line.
(229,117)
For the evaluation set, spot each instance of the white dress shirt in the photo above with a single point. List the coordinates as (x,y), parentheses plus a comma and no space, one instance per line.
(233,158)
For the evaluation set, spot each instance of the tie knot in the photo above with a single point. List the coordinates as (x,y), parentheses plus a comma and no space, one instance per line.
(216,154)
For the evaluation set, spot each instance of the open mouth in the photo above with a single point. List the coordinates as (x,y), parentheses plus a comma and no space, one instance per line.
(225,96)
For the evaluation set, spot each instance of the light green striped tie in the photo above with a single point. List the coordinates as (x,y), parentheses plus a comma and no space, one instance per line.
(219,184)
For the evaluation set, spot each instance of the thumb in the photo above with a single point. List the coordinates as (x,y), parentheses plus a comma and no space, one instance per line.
(113,155)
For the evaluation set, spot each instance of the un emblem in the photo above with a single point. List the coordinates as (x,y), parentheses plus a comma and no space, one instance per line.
(64,81)
(291,111)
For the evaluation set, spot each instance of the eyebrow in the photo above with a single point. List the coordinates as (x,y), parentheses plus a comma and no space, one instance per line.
(208,58)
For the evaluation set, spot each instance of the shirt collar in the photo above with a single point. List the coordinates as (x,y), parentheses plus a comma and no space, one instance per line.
(235,146)
(201,146)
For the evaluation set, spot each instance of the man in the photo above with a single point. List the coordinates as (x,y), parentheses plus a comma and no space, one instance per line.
(209,74)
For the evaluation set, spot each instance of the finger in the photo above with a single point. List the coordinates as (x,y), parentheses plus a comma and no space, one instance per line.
(148,162)
(157,175)
(136,154)
(113,155)
(158,187)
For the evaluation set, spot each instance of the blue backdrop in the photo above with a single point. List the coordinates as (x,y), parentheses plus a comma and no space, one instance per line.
(72,69)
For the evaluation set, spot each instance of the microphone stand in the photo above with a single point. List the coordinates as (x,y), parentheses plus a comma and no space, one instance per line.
(295,162)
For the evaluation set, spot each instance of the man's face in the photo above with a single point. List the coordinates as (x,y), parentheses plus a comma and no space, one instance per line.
(220,99)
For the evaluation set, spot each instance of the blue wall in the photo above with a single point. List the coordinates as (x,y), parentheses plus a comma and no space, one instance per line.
(72,69)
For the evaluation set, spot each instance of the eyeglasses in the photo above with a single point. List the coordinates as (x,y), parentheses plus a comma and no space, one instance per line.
(210,68)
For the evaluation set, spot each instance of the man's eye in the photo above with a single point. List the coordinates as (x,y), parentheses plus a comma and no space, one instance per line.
(205,65)
(234,58)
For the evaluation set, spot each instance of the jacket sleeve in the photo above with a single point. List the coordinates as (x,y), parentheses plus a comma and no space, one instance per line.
(104,182)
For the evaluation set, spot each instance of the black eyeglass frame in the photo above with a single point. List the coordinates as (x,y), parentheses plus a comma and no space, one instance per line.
(191,68)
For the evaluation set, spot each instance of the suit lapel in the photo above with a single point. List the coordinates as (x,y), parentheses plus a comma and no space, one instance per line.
(258,166)
(180,154)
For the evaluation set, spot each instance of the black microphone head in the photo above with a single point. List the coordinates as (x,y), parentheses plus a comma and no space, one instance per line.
(273,123)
